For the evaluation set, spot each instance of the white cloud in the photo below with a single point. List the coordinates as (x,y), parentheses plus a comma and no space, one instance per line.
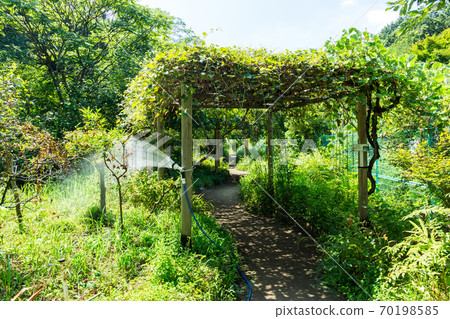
(379,18)
(349,2)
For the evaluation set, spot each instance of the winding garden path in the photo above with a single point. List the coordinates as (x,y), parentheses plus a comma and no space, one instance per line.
(280,266)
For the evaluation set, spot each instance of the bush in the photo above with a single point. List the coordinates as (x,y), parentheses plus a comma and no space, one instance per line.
(312,194)
(144,190)
(428,165)
(420,263)
(205,175)
(94,217)
(145,261)
(356,252)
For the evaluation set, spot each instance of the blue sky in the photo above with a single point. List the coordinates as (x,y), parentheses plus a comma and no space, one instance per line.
(277,24)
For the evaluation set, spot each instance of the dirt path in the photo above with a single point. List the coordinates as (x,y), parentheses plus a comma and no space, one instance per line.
(279,266)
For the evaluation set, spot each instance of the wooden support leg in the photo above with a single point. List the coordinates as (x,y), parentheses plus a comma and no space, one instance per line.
(363,193)
(186,158)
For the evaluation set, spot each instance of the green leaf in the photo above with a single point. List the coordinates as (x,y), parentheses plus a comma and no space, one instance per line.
(440,77)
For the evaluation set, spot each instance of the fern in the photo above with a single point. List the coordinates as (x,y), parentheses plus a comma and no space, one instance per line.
(420,269)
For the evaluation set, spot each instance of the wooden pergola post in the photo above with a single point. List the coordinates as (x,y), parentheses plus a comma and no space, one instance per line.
(186,163)
(218,147)
(270,154)
(160,130)
(363,194)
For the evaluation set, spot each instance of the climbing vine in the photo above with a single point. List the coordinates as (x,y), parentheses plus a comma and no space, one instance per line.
(355,68)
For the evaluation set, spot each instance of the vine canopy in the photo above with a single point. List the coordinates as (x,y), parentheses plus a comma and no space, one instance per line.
(357,66)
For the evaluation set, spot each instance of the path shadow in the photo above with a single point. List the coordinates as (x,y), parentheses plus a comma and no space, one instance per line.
(280,261)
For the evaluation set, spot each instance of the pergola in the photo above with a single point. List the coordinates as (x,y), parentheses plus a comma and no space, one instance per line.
(187,152)
(214,77)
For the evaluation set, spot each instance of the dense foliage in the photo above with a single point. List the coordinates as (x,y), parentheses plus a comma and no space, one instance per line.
(428,165)
(27,153)
(76,54)
(434,48)
(431,25)
(253,78)
(401,256)
(416,10)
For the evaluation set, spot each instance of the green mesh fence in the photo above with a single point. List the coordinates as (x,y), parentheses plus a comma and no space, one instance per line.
(386,175)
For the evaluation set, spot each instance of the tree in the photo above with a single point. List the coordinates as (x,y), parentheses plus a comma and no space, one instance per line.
(92,138)
(85,49)
(116,161)
(415,10)
(108,148)
(432,24)
(435,48)
(26,152)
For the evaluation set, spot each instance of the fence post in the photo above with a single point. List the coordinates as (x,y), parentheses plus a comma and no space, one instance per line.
(186,162)
(363,193)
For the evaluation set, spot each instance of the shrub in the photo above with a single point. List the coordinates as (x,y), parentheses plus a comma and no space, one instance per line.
(145,261)
(324,201)
(255,199)
(204,175)
(312,194)
(420,268)
(356,252)
(428,165)
(144,190)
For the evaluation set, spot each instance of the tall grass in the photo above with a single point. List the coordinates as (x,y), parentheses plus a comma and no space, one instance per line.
(144,262)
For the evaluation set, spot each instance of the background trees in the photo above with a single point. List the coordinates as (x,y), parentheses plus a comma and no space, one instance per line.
(432,24)
(435,48)
(27,153)
(80,53)
(415,10)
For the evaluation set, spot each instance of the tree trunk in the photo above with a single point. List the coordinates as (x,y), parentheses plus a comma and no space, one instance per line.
(101,171)
(246,148)
(16,193)
(57,84)
(119,186)
(18,207)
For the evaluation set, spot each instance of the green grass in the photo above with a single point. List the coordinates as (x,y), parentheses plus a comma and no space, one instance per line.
(145,262)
